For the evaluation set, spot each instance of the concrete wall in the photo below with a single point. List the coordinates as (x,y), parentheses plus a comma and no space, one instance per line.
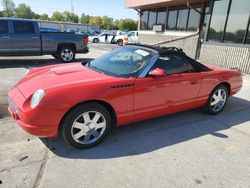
(65,26)
(227,56)
(188,45)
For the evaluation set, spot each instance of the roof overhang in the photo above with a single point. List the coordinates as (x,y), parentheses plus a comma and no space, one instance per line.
(145,4)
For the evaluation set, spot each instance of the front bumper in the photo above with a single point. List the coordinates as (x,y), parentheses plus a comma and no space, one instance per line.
(33,129)
(27,119)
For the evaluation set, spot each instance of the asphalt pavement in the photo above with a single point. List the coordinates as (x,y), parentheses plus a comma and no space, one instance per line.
(188,149)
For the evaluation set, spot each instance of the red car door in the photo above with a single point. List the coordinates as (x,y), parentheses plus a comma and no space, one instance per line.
(155,96)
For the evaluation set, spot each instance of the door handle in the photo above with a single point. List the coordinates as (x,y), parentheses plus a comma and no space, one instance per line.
(5,37)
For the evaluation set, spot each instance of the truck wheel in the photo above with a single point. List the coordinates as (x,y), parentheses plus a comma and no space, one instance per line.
(95,41)
(67,54)
(120,42)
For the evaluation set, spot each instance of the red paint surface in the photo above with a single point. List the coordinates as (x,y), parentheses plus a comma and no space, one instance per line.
(133,99)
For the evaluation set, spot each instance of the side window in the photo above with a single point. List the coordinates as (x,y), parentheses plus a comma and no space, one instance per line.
(174,64)
(22,27)
(131,34)
(3,27)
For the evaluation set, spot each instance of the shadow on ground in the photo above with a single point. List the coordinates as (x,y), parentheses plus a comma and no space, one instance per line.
(30,63)
(151,135)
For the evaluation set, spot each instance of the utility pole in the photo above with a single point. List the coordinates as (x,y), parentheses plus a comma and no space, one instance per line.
(72,8)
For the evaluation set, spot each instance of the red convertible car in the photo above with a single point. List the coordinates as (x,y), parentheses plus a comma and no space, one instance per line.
(81,101)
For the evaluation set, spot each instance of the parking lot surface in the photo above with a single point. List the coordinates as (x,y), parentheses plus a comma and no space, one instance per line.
(188,149)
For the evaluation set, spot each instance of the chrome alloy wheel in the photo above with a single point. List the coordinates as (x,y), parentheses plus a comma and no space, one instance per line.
(88,127)
(218,100)
(67,55)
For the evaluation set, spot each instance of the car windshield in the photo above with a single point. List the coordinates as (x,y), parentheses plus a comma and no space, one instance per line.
(123,62)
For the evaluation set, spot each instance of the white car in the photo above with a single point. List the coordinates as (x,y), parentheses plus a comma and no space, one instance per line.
(130,38)
(104,37)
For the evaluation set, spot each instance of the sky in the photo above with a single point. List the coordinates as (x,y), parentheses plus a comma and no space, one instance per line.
(112,8)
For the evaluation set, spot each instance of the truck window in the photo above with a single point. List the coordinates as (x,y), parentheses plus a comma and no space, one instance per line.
(22,27)
(3,27)
(131,34)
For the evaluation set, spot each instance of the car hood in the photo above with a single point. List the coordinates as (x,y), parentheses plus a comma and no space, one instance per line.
(56,76)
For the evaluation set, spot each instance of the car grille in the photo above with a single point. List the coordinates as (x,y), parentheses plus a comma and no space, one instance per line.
(12,105)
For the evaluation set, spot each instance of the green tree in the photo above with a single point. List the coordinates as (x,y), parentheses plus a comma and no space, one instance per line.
(1,13)
(44,17)
(67,16)
(127,24)
(24,11)
(75,18)
(95,20)
(8,8)
(36,16)
(70,17)
(116,24)
(57,16)
(107,22)
(84,19)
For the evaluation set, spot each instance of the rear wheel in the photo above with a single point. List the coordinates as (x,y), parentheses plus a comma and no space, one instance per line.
(86,125)
(120,42)
(66,54)
(217,100)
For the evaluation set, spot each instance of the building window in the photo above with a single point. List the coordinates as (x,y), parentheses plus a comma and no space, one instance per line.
(218,20)
(229,21)
(182,19)
(179,18)
(237,21)
(172,18)
(152,19)
(193,20)
(248,36)
(144,20)
(161,17)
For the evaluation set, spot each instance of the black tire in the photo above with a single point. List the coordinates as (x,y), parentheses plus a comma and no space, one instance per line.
(211,109)
(95,40)
(69,129)
(66,54)
(120,42)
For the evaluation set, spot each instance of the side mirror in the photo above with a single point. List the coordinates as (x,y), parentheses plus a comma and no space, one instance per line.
(157,73)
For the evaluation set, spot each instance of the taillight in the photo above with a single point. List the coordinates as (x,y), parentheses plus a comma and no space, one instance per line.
(86,40)
(125,41)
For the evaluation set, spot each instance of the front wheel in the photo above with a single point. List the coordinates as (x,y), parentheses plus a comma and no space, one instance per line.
(95,40)
(86,125)
(67,54)
(217,100)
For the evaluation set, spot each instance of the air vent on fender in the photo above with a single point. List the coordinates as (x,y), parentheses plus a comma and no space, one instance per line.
(123,85)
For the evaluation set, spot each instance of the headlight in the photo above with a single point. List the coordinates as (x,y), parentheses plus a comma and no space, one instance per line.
(36,98)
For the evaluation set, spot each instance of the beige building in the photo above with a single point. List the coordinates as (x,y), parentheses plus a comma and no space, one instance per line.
(214,31)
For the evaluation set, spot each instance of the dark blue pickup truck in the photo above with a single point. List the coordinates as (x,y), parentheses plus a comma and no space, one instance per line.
(19,37)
